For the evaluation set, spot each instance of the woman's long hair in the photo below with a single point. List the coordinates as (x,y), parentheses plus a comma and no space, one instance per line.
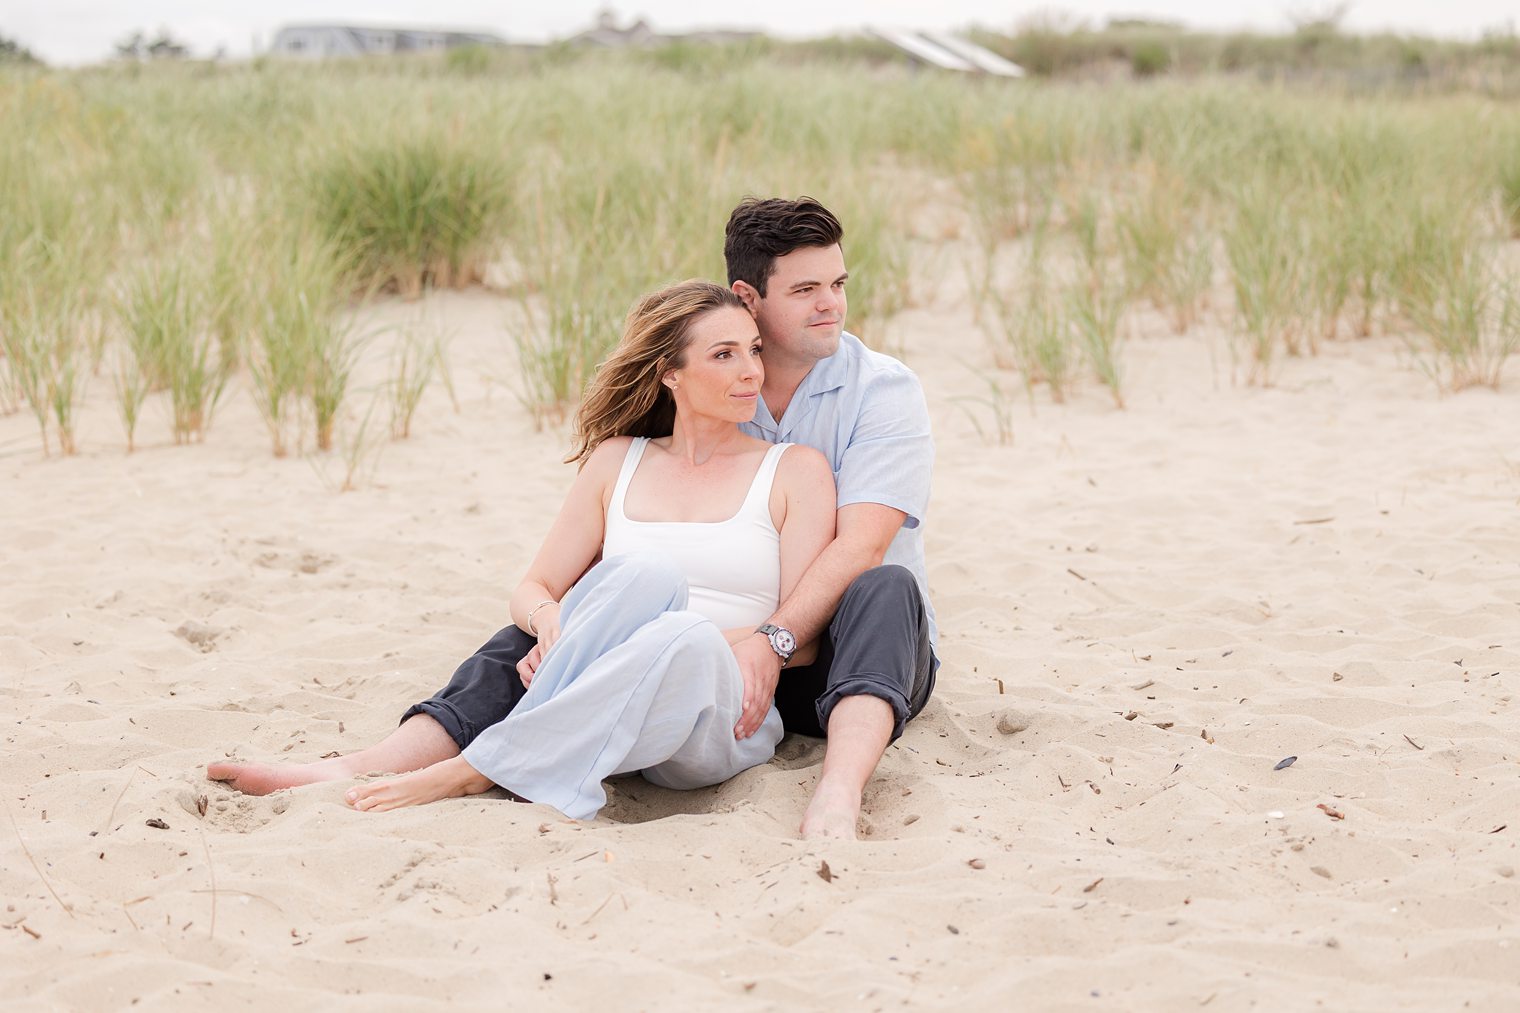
(627,397)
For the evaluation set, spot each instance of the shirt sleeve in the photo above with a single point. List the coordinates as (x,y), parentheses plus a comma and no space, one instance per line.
(889,458)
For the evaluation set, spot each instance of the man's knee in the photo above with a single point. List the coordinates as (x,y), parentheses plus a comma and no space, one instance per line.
(888,590)
(889,580)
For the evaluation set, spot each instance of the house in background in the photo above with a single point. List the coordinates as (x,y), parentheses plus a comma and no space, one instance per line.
(333,41)
(606,34)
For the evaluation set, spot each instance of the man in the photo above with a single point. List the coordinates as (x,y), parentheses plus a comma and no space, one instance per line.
(864,598)
(866,413)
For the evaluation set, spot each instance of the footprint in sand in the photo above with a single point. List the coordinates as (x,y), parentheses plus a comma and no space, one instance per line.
(796,752)
(232,810)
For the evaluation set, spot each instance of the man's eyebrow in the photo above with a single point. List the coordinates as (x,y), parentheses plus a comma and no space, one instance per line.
(804,283)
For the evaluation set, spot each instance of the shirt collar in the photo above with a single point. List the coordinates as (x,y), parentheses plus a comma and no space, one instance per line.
(826,375)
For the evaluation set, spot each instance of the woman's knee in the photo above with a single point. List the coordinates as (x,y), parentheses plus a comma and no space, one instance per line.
(645,575)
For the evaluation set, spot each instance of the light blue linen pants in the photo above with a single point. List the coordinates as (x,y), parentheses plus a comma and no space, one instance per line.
(634,683)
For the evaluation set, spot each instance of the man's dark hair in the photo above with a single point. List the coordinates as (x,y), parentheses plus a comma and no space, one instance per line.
(759,231)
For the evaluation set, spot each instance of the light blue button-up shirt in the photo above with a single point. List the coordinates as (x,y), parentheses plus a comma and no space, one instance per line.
(866,413)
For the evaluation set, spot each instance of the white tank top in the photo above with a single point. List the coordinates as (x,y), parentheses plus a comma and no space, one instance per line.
(732,567)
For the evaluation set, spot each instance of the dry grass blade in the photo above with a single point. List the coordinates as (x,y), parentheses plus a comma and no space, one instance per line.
(35,866)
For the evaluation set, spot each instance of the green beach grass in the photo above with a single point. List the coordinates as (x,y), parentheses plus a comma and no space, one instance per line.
(193,229)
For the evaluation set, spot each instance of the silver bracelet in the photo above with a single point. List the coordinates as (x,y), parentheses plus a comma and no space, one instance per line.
(534,611)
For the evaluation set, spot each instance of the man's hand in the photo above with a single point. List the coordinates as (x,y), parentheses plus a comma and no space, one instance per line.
(761,668)
(529,664)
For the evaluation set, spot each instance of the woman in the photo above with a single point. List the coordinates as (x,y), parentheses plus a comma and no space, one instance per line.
(701,530)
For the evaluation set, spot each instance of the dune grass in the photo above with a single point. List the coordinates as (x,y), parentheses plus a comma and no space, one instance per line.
(1468,314)
(411,211)
(1509,190)
(302,350)
(284,192)
(1264,248)
(1096,308)
(164,314)
(418,356)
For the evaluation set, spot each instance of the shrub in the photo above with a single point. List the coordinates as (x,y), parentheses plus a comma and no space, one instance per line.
(412,212)
(1149,58)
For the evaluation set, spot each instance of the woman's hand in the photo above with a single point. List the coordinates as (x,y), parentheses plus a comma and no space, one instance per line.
(546,622)
(528,666)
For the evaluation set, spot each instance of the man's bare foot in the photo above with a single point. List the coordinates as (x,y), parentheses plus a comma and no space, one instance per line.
(832,813)
(263,778)
(446,779)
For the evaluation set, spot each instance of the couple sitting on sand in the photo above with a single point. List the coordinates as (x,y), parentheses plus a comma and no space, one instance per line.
(704,587)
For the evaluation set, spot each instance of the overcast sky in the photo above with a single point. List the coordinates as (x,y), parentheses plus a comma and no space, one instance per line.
(82,31)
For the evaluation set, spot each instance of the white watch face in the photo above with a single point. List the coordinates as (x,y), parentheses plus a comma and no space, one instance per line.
(784,642)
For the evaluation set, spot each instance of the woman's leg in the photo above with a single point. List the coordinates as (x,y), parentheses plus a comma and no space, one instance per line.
(690,729)
(604,609)
(664,701)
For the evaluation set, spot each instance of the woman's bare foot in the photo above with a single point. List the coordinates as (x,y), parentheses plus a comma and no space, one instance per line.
(263,778)
(416,743)
(832,813)
(446,779)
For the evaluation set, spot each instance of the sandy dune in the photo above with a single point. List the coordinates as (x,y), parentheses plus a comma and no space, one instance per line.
(1142,613)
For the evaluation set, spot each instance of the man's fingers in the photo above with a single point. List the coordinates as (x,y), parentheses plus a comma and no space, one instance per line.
(749,720)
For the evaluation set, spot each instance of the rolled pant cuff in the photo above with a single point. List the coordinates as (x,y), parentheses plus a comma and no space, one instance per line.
(866,684)
(447,715)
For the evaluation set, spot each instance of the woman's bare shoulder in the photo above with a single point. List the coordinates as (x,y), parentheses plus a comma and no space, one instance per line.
(804,467)
(607,459)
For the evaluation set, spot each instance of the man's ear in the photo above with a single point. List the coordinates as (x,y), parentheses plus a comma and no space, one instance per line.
(747,295)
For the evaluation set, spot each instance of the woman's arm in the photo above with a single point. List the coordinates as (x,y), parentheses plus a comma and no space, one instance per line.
(571,545)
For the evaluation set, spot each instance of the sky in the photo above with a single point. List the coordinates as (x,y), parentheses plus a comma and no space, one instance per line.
(85,31)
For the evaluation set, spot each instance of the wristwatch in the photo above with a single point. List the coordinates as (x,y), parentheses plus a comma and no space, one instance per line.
(782,641)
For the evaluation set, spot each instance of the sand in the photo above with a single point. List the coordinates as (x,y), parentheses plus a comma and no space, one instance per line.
(1142,613)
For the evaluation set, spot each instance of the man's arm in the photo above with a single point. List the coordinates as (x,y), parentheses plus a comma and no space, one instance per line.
(864,530)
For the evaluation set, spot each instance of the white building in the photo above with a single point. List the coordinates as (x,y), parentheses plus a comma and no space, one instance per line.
(332,41)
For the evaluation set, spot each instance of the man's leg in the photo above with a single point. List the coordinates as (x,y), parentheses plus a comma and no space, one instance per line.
(881,675)
(860,729)
(483,690)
